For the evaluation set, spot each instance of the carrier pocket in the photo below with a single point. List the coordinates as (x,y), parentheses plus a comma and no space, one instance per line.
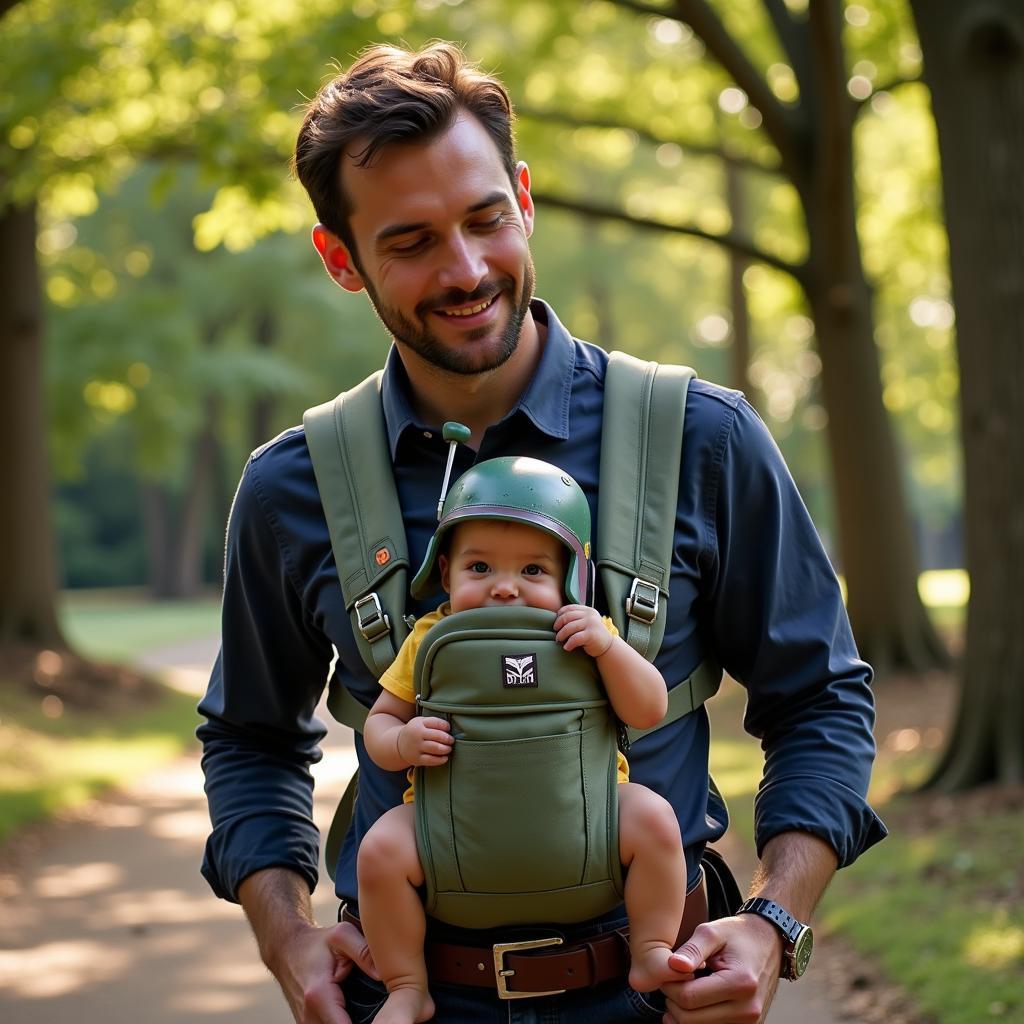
(501,830)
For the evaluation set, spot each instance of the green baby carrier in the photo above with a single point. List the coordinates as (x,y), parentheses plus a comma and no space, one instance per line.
(521,825)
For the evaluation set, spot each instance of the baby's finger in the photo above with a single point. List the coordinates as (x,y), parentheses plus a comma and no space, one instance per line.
(432,760)
(436,723)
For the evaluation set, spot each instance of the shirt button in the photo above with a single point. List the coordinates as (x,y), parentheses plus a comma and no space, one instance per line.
(427,434)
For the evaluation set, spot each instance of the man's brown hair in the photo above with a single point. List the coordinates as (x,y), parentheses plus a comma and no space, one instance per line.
(392,95)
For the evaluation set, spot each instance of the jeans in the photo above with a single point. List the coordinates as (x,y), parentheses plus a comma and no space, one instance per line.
(611,1003)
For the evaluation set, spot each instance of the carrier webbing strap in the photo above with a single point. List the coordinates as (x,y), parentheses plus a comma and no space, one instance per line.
(686,696)
(347,441)
(641,442)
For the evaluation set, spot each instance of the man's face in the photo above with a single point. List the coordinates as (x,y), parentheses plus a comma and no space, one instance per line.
(441,236)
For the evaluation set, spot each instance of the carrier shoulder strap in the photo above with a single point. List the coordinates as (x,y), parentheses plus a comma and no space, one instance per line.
(641,443)
(641,449)
(347,440)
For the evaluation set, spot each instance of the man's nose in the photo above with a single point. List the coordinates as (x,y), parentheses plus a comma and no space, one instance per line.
(463,264)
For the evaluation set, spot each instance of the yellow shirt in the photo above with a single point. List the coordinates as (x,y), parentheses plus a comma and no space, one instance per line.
(399,677)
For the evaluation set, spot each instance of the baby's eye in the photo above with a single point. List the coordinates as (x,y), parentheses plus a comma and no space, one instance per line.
(480,567)
(533,570)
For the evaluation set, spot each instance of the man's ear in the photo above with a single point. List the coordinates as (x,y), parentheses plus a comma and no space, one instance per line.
(523,196)
(337,259)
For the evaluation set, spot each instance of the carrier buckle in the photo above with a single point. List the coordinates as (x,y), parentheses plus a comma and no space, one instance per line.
(370,617)
(501,972)
(642,603)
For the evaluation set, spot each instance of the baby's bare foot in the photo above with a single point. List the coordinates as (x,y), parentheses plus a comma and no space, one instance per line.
(406,1006)
(650,969)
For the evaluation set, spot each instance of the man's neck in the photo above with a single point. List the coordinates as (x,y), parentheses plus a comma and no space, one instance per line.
(477,400)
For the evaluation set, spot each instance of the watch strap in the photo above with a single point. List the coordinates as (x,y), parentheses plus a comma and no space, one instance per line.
(778,915)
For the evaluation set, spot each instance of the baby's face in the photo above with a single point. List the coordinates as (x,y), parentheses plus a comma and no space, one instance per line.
(493,563)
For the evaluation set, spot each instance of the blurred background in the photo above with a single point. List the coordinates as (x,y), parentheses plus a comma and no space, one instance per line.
(817,202)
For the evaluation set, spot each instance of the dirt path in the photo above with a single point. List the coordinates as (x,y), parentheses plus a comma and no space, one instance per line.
(107,920)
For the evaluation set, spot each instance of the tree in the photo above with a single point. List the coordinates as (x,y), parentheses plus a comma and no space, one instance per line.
(974,67)
(102,84)
(812,136)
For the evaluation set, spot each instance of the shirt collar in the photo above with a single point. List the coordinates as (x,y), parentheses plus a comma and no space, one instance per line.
(545,402)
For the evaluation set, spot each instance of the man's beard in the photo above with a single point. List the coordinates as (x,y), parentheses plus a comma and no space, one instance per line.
(453,359)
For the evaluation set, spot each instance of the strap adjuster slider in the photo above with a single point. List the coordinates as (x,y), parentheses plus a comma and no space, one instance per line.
(370,616)
(642,603)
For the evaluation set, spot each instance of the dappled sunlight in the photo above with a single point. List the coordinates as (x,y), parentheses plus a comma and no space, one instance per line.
(335,769)
(57,968)
(187,679)
(166,907)
(215,1001)
(180,824)
(73,881)
(995,945)
(116,815)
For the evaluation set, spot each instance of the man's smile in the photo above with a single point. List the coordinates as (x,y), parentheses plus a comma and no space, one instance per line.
(469,310)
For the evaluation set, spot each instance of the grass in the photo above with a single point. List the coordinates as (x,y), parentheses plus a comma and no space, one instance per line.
(50,764)
(122,624)
(940,911)
(939,906)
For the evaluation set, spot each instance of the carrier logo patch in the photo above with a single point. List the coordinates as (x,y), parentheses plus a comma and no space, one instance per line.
(519,671)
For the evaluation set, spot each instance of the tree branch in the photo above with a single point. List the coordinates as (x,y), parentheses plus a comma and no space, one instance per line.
(886,86)
(778,121)
(728,240)
(698,148)
(793,36)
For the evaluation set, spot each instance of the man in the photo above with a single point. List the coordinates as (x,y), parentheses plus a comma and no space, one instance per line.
(408,159)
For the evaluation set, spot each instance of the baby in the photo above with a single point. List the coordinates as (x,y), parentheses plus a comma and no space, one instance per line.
(492,561)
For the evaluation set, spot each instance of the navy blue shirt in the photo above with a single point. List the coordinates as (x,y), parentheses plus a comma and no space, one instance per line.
(750,585)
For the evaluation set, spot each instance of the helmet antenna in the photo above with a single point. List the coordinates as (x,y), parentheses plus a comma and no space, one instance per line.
(455,434)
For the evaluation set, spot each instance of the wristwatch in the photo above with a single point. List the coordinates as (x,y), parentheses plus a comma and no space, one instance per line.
(796,953)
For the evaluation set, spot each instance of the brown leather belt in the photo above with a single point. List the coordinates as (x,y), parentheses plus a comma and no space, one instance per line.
(517,970)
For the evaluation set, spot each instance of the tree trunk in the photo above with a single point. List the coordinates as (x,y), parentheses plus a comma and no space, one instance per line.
(28,578)
(974,66)
(262,409)
(161,548)
(176,528)
(195,512)
(739,352)
(879,559)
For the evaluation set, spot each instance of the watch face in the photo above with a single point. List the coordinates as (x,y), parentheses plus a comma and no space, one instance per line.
(802,951)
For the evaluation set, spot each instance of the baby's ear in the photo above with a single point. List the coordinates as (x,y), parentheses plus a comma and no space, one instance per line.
(442,564)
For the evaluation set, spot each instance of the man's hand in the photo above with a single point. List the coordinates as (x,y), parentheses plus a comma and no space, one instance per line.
(576,625)
(308,962)
(425,741)
(743,954)
(312,969)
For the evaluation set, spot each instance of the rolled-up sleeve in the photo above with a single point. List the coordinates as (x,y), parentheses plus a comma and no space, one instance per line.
(261,734)
(781,629)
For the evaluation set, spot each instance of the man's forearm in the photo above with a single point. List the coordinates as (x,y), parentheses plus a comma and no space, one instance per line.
(794,871)
(278,905)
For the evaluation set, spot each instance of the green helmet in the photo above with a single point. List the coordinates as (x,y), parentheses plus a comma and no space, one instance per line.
(520,490)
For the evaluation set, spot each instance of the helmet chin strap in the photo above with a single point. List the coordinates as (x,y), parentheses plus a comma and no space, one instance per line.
(455,434)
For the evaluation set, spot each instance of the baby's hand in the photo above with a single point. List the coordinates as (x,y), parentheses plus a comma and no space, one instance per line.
(425,741)
(576,625)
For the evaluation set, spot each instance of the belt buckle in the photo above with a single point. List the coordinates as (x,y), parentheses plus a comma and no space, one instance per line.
(501,972)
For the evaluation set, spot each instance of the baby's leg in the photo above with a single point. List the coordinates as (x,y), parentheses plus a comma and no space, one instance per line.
(392,915)
(652,850)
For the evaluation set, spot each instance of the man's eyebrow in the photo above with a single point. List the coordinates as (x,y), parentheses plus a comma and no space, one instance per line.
(496,198)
